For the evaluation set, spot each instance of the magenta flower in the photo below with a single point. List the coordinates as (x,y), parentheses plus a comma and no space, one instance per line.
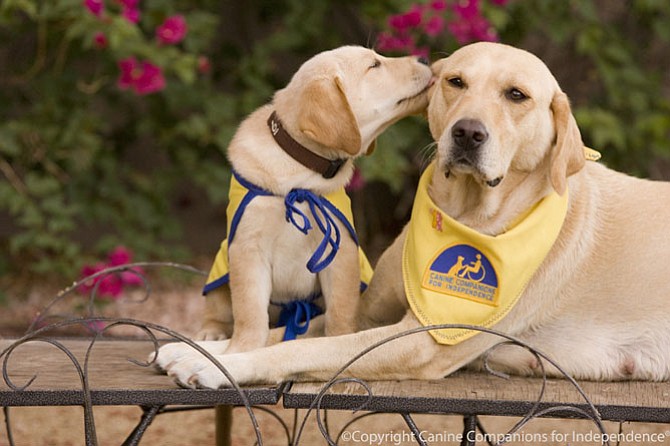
(131,14)
(467,9)
(94,6)
(357,181)
(410,19)
(129,69)
(100,40)
(150,80)
(144,78)
(172,31)
(111,285)
(438,5)
(434,26)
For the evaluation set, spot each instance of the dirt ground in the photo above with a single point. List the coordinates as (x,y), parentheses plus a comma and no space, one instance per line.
(179,307)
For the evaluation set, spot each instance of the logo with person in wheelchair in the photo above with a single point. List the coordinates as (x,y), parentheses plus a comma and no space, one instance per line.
(463,271)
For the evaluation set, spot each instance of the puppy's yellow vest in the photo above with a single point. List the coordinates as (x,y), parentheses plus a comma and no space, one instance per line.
(336,204)
(455,275)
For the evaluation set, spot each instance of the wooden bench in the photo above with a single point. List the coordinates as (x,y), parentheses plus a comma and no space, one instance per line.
(52,378)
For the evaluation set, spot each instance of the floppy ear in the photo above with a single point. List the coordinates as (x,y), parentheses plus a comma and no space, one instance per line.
(326,117)
(567,156)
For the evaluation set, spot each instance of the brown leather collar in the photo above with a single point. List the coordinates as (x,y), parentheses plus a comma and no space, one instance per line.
(326,167)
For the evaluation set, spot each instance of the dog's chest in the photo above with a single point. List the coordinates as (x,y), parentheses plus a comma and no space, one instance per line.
(284,247)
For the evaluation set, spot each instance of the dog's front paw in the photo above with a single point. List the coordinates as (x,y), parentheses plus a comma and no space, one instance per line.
(177,351)
(199,373)
(211,333)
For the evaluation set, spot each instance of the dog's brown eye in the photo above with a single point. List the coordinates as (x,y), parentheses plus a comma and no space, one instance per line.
(456,82)
(515,95)
(376,64)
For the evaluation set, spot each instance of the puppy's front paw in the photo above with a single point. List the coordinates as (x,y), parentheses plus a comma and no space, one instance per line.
(210,333)
(177,351)
(198,373)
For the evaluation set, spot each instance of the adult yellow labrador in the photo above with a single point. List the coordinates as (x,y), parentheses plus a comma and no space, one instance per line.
(509,160)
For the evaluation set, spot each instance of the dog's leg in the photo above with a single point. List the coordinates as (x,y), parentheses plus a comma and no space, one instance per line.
(218,320)
(176,351)
(340,285)
(384,302)
(320,359)
(251,287)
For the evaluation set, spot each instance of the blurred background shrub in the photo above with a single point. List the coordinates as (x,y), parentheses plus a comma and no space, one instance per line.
(115,114)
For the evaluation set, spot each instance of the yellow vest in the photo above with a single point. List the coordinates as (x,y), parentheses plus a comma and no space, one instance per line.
(456,275)
(241,195)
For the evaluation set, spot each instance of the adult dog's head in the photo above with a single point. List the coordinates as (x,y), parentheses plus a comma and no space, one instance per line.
(501,121)
(340,100)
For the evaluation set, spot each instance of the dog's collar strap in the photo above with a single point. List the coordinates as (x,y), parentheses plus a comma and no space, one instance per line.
(326,167)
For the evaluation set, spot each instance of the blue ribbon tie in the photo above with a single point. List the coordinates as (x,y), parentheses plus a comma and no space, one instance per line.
(320,208)
(295,316)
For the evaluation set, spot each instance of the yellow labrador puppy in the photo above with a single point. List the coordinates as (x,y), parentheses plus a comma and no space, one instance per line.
(291,241)
(509,169)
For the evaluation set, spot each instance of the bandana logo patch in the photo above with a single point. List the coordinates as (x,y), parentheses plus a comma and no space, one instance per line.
(463,271)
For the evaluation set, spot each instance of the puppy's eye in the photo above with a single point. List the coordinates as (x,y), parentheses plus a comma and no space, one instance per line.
(515,95)
(376,64)
(456,82)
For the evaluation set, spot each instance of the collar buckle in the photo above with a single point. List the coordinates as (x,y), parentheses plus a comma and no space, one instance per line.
(333,168)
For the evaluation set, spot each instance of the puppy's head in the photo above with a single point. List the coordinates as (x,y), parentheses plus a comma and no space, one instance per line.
(340,100)
(496,109)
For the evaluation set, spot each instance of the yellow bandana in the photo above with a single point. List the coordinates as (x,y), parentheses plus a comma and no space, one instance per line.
(239,195)
(455,275)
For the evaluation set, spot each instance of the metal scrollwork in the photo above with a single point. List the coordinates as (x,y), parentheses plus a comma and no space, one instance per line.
(39,332)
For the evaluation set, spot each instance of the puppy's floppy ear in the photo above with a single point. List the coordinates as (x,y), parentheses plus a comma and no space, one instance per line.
(567,155)
(326,117)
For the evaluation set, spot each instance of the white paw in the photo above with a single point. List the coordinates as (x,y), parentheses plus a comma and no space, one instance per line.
(198,373)
(177,351)
(210,334)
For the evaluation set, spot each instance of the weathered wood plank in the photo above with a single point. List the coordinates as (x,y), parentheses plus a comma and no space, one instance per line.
(112,378)
(478,393)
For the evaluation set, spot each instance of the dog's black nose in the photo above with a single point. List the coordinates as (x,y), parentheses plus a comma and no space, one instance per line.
(469,134)
(424,60)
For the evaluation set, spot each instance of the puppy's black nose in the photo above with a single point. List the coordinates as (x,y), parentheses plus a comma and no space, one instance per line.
(469,134)
(424,60)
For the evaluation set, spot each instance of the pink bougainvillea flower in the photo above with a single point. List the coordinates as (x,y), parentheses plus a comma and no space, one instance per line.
(94,6)
(421,51)
(390,42)
(129,69)
(109,286)
(144,78)
(407,20)
(357,181)
(467,9)
(438,5)
(434,26)
(119,256)
(173,30)
(475,29)
(131,14)
(100,40)
(150,80)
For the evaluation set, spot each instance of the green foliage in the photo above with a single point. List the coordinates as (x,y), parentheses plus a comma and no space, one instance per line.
(618,52)
(85,165)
